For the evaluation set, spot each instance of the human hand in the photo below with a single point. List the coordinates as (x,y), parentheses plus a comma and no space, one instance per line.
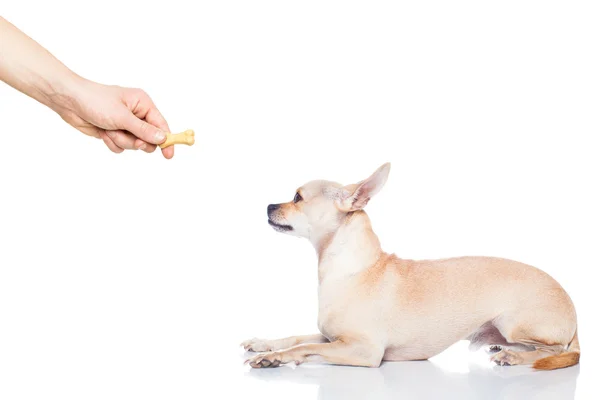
(124,118)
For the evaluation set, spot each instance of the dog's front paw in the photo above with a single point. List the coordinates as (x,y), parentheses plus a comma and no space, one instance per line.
(507,357)
(257,345)
(265,360)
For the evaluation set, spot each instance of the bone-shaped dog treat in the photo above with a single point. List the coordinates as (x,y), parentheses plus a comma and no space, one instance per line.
(186,137)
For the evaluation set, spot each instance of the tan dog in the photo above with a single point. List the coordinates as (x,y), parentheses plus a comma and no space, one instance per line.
(374,306)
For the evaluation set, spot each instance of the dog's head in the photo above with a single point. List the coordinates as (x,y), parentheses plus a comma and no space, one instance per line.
(319,207)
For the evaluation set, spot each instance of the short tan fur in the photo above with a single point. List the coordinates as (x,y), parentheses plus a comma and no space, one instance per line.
(375,306)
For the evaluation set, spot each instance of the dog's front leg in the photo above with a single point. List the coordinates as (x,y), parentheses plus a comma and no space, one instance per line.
(261,345)
(341,352)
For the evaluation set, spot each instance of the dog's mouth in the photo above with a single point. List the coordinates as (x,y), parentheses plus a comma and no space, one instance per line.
(280,227)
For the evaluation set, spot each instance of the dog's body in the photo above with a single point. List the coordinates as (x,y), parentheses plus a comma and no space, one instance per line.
(374,306)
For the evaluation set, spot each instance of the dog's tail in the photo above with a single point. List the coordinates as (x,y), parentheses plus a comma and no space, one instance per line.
(566,359)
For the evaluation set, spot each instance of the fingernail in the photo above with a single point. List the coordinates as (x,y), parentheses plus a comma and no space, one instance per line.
(142,146)
(160,136)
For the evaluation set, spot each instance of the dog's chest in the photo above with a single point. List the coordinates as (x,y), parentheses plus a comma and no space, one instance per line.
(338,312)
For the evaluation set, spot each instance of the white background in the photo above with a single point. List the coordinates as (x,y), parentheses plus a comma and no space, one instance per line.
(129,276)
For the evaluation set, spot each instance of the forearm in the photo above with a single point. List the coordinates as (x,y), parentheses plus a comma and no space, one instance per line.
(31,69)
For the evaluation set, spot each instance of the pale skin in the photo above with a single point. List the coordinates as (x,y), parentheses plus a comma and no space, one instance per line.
(123,118)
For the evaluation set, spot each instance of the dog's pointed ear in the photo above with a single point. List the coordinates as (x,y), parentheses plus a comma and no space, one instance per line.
(355,197)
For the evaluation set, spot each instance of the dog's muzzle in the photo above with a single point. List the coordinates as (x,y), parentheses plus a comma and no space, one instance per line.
(271,210)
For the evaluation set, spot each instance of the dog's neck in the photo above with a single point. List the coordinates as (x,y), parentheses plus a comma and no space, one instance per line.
(348,250)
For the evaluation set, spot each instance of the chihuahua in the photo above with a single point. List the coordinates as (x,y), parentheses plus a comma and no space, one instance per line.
(375,306)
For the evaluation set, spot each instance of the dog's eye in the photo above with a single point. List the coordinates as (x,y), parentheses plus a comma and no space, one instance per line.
(297,197)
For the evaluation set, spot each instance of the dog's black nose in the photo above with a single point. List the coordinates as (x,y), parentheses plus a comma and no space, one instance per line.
(271,208)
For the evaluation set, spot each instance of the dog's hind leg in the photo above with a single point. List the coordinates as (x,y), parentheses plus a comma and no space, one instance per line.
(544,356)
(554,341)
(511,357)
(489,336)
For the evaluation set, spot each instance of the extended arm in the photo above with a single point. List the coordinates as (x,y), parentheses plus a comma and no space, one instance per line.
(123,118)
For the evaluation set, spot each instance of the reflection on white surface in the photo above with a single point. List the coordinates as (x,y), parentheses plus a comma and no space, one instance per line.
(426,380)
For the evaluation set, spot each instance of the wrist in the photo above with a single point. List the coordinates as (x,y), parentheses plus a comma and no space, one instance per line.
(61,91)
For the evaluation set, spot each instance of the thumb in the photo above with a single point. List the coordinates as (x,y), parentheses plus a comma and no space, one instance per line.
(143,130)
